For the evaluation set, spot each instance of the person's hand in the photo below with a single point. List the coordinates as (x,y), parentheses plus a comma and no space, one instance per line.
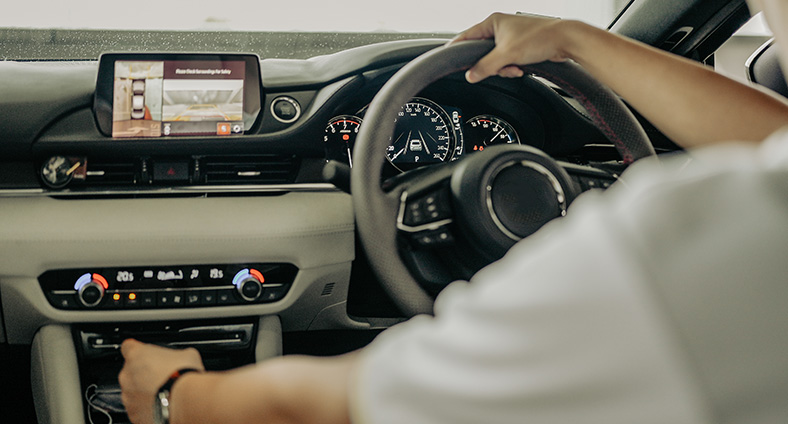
(146,368)
(519,40)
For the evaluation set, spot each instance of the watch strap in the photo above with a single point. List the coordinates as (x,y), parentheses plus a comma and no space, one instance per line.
(173,377)
(161,412)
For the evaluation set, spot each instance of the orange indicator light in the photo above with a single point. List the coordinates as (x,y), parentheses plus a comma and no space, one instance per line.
(345,137)
(101,280)
(116,297)
(132,296)
(257,274)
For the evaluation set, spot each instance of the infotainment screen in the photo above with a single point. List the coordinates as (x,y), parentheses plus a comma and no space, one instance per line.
(163,95)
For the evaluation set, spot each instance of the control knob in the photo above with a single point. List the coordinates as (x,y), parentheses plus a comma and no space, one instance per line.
(90,289)
(249,284)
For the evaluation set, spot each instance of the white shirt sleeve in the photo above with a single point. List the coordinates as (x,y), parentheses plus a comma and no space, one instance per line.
(561,330)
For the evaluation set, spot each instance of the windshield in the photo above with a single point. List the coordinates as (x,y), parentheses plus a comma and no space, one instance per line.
(82,29)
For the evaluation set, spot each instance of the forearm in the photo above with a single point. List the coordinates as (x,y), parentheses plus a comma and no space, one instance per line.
(284,390)
(690,103)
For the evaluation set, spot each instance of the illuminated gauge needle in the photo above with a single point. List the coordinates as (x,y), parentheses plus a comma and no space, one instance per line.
(349,157)
(421,136)
(496,135)
(404,148)
(73,168)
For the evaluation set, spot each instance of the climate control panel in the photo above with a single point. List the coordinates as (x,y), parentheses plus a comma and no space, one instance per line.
(161,287)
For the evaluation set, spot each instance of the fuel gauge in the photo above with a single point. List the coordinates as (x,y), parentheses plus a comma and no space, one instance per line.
(340,136)
(485,130)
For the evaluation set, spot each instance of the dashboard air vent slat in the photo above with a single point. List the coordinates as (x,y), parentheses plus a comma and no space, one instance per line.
(111,173)
(261,169)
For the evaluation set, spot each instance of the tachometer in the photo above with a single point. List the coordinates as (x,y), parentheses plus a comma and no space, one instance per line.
(340,136)
(484,130)
(424,134)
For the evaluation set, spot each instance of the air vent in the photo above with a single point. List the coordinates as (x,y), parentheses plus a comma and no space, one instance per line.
(328,289)
(262,169)
(111,172)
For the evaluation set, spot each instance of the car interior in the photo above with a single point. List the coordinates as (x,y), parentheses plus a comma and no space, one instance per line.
(253,207)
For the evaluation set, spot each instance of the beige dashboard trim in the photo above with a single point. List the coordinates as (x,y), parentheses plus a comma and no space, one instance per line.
(314,231)
(155,191)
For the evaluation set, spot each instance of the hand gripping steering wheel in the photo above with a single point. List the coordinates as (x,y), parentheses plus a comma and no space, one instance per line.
(478,206)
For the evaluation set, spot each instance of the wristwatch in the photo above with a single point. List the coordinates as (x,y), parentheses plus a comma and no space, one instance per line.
(161,404)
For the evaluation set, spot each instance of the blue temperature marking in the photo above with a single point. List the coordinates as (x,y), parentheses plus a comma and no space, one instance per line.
(84,279)
(240,276)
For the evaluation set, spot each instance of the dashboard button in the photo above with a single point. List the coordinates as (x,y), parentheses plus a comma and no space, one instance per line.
(132,300)
(285,109)
(171,171)
(225,297)
(208,297)
(192,298)
(170,299)
(64,301)
(274,293)
(146,299)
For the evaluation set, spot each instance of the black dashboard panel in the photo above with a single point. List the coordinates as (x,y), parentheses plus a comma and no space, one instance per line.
(48,115)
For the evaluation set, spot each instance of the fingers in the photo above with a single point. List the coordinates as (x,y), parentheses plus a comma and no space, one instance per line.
(493,63)
(511,72)
(127,346)
(483,30)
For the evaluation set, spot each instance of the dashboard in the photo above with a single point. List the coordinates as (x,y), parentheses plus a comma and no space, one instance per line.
(182,199)
(146,165)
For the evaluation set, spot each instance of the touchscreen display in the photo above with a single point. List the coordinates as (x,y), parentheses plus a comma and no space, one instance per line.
(155,98)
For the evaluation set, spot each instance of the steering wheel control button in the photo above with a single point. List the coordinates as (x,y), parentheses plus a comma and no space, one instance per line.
(164,287)
(589,183)
(426,209)
(285,109)
(434,238)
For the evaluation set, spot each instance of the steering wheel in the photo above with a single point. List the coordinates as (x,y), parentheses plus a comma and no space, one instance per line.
(476,207)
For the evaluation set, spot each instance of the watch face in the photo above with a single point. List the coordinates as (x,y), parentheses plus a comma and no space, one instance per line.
(161,407)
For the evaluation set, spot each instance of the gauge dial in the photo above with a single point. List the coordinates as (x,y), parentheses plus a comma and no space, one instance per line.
(58,171)
(340,137)
(423,134)
(484,130)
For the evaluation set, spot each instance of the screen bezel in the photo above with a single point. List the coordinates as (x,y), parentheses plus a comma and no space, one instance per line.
(102,104)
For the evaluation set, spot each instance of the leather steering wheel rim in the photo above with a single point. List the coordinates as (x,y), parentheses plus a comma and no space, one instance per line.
(376,210)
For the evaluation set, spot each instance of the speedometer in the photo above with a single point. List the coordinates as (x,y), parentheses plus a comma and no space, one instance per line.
(424,134)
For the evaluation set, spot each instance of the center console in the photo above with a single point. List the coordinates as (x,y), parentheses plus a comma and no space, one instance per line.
(167,287)
(223,343)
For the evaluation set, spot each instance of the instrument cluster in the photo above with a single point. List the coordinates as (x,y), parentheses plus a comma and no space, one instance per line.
(426,133)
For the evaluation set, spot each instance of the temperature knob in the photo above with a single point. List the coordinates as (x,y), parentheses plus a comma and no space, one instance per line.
(90,289)
(249,283)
